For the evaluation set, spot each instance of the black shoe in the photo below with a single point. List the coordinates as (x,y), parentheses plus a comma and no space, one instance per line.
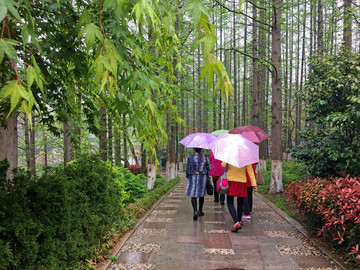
(195,216)
(222,203)
(216,200)
(201,213)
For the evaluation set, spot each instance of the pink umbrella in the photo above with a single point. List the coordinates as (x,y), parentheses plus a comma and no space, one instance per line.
(252,133)
(235,149)
(198,140)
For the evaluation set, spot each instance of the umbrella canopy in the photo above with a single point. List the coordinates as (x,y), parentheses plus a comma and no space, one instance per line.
(252,133)
(235,149)
(198,140)
(219,131)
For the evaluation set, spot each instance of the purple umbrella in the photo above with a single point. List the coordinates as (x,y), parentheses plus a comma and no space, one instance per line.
(252,133)
(235,149)
(198,140)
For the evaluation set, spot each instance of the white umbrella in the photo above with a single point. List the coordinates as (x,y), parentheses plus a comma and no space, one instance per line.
(235,149)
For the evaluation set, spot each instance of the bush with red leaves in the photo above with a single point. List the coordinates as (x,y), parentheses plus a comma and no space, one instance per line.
(332,208)
(340,208)
(135,169)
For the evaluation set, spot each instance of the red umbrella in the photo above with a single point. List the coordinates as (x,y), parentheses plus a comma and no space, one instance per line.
(252,133)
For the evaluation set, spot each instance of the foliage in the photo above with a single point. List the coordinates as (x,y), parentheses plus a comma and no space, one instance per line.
(69,211)
(135,186)
(333,104)
(291,171)
(135,168)
(331,209)
(328,153)
(70,58)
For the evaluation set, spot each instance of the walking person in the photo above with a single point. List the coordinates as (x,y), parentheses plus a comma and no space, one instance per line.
(216,171)
(237,188)
(197,171)
(248,202)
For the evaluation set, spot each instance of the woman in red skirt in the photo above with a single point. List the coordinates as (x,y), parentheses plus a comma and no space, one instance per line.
(237,188)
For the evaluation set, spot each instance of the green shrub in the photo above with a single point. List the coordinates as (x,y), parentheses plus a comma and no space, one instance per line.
(159,181)
(51,222)
(134,185)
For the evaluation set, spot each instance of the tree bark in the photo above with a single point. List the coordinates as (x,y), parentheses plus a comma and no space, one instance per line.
(9,143)
(348,25)
(103,135)
(68,146)
(255,79)
(276,185)
(126,158)
(236,122)
(32,149)
(110,140)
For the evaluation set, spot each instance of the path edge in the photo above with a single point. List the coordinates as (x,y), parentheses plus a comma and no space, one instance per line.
(123,239)
(334,257)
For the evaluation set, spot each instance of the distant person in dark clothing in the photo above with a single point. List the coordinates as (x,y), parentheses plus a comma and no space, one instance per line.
(197,171)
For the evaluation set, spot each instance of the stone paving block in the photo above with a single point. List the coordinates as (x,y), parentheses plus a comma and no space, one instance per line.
(313,261)
(132,257)
(217,240)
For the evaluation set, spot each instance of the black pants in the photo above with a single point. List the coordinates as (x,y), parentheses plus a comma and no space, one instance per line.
(216,194)
(194,203)
(236,215)
(248,202)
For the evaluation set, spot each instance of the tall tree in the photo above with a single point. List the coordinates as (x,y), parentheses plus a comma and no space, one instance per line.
(9,143)
(276,184)
(347,32)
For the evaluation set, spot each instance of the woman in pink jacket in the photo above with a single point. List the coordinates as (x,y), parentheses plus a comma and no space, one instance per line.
(216,171)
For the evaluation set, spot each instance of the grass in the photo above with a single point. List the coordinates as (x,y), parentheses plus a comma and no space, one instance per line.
(291,171)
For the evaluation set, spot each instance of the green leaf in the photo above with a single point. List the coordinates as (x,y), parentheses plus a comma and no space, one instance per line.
(25,33)
(8,45)
(31,74)
(196,7)
(3,11)
(91,31)
(10,6)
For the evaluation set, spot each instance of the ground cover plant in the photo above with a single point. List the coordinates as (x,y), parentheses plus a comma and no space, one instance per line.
(292,171)
(66,215)
(331,209)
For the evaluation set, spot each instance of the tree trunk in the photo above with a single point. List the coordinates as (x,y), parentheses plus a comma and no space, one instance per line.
(45,149)
(171,160)
(126,158)
(117,147)
(9,143)
(348,25)
(32,149)
(27,143)
(244,100)
(263,150)
(68,146)
(110,140)
(276,185)
(103,135)
(255,79)
(236,122)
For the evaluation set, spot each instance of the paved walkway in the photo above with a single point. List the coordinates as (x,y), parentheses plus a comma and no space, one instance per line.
(169,239)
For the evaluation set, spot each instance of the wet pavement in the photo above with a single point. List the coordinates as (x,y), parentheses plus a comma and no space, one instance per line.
(168,238)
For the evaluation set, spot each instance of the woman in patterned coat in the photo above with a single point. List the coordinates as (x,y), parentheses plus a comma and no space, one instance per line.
(197,171)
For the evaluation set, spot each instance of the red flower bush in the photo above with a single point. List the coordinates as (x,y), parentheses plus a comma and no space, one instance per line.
(340,208)
(332,207)
(135,169)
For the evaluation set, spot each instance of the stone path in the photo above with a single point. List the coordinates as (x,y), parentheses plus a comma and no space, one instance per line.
(169,239)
